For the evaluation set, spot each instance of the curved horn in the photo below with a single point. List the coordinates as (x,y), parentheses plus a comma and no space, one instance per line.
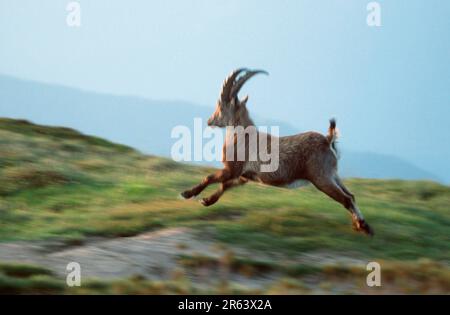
(228,85)
(240,83)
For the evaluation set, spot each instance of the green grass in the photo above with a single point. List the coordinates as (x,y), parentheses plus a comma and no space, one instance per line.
(28,279)
(57,183)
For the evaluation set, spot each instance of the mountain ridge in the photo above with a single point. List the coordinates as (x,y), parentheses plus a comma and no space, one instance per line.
(146,124)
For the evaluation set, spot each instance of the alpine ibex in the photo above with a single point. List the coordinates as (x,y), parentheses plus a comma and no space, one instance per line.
(308,156)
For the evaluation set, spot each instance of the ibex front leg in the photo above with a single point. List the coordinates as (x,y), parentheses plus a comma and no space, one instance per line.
(224,187)
(219,177)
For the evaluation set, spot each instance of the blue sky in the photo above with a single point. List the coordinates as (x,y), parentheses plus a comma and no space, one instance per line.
(389,87)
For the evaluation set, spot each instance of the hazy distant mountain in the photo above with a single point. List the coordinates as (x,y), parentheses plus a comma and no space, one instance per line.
(374,165)
(147,124)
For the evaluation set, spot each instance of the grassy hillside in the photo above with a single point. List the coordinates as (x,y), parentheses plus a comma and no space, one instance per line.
(56,183)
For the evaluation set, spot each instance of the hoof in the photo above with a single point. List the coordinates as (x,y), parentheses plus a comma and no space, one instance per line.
(205,202)
(186,195)
(362,226)
(208,201)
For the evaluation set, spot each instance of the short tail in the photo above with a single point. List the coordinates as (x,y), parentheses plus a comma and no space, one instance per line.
(332,137)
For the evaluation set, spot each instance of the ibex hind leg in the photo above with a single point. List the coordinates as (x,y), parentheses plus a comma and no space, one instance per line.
(330,187)
(342,186)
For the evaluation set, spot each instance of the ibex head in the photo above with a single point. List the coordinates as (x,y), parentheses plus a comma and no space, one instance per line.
(230,110)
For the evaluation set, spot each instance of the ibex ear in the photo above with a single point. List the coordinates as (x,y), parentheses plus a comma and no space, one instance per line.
(243,102)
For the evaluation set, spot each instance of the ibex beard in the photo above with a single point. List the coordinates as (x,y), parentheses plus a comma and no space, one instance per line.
(308,156)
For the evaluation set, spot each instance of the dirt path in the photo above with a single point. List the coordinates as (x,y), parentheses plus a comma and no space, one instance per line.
(153,255)
(156,256)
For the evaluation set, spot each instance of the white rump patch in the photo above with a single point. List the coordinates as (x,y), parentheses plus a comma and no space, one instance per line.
(298,183)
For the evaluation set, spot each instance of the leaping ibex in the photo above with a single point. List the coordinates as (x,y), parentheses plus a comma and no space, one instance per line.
(308,156)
